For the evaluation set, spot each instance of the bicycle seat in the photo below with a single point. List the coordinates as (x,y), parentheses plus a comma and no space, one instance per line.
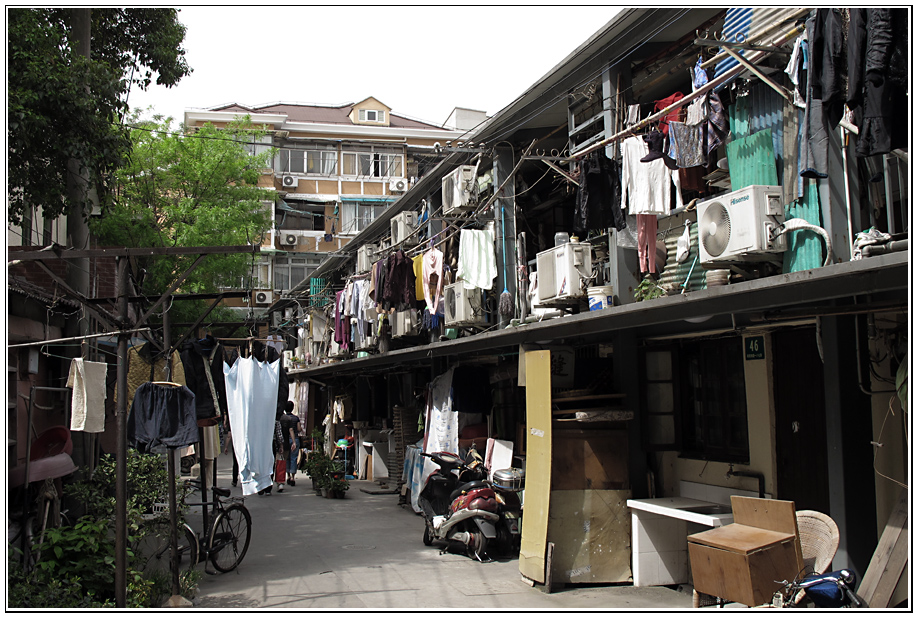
(223,493)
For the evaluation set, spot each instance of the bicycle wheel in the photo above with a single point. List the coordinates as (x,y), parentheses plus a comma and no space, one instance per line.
(229,538)
(161,559)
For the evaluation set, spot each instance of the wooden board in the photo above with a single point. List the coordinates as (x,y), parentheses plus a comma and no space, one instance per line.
(889,559)
(749,579)
(739,538)
(589,459)
(777,515)
(591,533)
(538,465)
(588,398)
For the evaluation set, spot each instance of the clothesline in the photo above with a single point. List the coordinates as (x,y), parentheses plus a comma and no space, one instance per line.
(714,83)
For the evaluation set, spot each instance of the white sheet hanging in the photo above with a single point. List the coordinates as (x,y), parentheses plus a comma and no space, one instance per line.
(441,432)
(477,260)
(251,395)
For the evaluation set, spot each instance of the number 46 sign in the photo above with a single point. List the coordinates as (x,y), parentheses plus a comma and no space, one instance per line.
(755,348)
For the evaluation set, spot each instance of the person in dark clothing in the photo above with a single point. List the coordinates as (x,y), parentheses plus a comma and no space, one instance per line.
(290,427)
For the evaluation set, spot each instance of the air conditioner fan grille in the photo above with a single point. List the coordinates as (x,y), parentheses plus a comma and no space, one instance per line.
(715,229)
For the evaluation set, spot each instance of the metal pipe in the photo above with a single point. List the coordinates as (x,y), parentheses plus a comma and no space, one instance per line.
(750,474)
(121,444)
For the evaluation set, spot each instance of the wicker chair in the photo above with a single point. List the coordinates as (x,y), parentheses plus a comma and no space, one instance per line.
(818,544)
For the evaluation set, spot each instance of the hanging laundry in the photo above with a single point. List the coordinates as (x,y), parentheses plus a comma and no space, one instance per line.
(381,269)
(266,354)
(342,333)
(477,260)
(87,403)
(441,431)
(796,70)
(252,392)
(634,115)
(162,416)
(418,267)
(202,361)
(432,280)
(146,363)
(717,122)
(598,203)
(654,141)
(646,187)
(400,284)
(878,70)
(277,342)
(687,144)
(673,115)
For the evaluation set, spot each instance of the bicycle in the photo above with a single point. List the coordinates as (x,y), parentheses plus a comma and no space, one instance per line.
(225,543)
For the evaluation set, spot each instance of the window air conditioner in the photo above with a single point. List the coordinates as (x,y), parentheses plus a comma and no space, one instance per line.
(289,182)
(404,323)
(458,187)
(736,226)
(264,297)
(403,226)
(463,307)
(562,270)
(366,256)
(398,185)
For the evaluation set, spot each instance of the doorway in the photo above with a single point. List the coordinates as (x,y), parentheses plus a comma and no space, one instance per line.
(800,420)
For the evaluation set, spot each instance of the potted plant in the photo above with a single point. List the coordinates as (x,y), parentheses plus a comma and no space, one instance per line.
(318,467)
(337,485)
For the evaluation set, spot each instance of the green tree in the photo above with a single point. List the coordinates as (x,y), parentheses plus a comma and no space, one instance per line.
(190,190)
(63,106)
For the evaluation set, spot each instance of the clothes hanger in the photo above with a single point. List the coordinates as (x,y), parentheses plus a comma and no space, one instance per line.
(167,383)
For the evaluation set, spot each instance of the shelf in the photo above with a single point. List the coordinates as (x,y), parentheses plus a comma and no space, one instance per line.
(589,397)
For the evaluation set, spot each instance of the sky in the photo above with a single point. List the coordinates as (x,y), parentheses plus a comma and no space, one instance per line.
(421,61)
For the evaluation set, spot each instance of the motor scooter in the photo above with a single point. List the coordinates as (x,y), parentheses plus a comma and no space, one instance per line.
(507,484)
(459,509)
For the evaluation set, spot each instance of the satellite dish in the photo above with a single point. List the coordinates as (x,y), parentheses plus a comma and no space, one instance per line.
(714,229)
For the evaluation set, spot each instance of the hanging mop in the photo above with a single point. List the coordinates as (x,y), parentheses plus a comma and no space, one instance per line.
(505,306)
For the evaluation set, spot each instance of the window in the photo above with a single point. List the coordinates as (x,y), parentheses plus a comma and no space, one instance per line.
(356,216)
(695,399)
(289,271)
(373,164)
(258,146)
(371,115)
(321,162)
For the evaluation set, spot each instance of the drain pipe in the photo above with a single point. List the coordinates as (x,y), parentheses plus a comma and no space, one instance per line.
(748,473)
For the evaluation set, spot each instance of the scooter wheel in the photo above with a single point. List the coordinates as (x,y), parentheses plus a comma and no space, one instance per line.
(428,541)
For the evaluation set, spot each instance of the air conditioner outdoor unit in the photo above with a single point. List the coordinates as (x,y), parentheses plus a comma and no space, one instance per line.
(458,189)
(403,226)
(462,307)
(398,185)
(288,238)
(404,323)
(736,226)
(289,182)
(562,270)
(366,256)
(264,297)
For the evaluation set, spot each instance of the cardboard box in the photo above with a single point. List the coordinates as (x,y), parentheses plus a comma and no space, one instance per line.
(743,561)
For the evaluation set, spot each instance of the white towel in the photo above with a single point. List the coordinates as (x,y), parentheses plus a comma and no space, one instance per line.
(87,411)
(477,260)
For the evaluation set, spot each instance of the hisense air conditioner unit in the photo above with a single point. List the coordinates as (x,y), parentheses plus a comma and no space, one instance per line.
(462,307)
(289,182)
(563,269)
(459,189)
(403,227)
(366,256)
(404,323)
(264,297)
(737,226)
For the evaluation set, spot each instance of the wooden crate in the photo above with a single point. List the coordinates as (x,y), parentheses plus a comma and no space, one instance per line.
(742,561)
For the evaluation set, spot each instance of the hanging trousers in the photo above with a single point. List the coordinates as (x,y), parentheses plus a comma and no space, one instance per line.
(647,242)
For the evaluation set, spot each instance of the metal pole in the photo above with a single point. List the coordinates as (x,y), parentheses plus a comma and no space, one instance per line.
(170,465)
(121,448)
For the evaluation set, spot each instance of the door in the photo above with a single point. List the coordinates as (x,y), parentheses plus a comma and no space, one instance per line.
(800,419)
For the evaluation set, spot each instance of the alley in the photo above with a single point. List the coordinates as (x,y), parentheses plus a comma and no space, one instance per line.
(365,553)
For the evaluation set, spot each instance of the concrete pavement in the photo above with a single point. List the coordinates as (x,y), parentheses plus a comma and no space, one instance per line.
(365,552)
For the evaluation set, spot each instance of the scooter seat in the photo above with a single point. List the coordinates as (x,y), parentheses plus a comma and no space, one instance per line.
(466,487)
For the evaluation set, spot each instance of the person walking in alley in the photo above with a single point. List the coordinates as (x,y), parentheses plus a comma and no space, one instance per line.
(290,426)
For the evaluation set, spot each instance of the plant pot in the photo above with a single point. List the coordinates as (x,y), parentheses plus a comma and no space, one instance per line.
(324,492)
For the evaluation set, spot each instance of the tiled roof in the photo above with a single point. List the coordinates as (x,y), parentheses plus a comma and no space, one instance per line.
(320,114)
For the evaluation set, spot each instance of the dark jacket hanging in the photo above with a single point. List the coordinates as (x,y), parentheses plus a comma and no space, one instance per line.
(599,197)
(197,358)
(399,284)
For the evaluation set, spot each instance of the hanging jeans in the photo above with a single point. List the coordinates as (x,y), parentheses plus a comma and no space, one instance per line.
(647,242)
